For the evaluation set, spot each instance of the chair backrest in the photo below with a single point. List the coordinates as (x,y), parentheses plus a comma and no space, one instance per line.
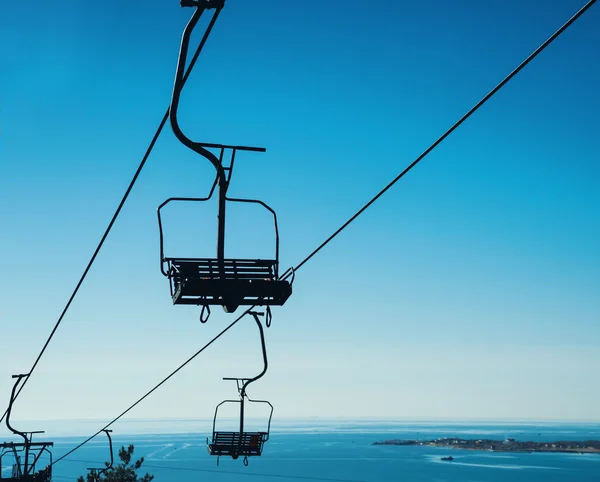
(243,269)
(248,443)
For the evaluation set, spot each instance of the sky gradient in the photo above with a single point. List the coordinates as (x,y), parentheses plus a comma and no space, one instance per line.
(469,290)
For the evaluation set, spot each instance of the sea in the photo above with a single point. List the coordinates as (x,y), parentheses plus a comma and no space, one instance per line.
(342,451)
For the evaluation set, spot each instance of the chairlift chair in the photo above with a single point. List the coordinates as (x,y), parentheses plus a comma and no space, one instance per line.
(241,443)
(25,454)
(221,281)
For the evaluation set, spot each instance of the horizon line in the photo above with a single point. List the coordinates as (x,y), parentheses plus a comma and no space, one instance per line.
(389,419)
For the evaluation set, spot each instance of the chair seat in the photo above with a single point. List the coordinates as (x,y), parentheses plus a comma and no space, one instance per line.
(232,444)
(237,282)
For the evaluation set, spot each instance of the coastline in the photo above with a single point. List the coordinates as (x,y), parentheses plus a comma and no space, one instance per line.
(508,445)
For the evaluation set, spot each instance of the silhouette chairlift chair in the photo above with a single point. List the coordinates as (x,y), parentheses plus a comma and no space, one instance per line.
(241,443)
(96,473)
(218,281)
(25,454)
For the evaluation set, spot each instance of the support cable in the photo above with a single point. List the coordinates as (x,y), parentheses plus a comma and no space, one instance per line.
(121,204)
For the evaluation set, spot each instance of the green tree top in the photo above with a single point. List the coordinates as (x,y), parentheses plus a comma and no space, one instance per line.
(124,472)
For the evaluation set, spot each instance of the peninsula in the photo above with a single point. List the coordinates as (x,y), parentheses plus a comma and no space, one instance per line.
(508,445)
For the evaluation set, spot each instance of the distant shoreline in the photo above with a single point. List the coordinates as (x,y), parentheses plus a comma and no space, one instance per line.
(508,445)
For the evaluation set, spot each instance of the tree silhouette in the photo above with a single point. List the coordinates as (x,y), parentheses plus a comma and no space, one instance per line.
(124,472)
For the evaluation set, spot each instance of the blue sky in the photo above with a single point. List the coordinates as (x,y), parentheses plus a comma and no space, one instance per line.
(469,290)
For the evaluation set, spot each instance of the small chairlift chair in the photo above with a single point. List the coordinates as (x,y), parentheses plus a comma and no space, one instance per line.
(241,443)
(26,454)
(218,281)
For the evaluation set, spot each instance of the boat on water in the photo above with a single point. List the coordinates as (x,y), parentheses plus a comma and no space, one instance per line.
(450,458)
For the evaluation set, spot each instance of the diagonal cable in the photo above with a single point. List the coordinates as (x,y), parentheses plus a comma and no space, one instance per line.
(155,388)
(119,208)
(487,97)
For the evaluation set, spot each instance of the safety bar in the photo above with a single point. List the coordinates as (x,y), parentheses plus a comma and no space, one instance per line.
(270,415)
(195,199)
(249,400)
(266,206)
(160,229)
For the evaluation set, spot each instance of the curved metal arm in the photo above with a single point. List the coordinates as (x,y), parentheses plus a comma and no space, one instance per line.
(185,40)
(195,146)
(248,381)
(112,459)
(264,352)
(160,229)
(96,473)
(10,404)
(13,430)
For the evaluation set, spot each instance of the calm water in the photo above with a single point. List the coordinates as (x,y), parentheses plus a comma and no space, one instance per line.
(345,452)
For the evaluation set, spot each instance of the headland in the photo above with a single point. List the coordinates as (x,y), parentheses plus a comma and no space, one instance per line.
(507,445)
